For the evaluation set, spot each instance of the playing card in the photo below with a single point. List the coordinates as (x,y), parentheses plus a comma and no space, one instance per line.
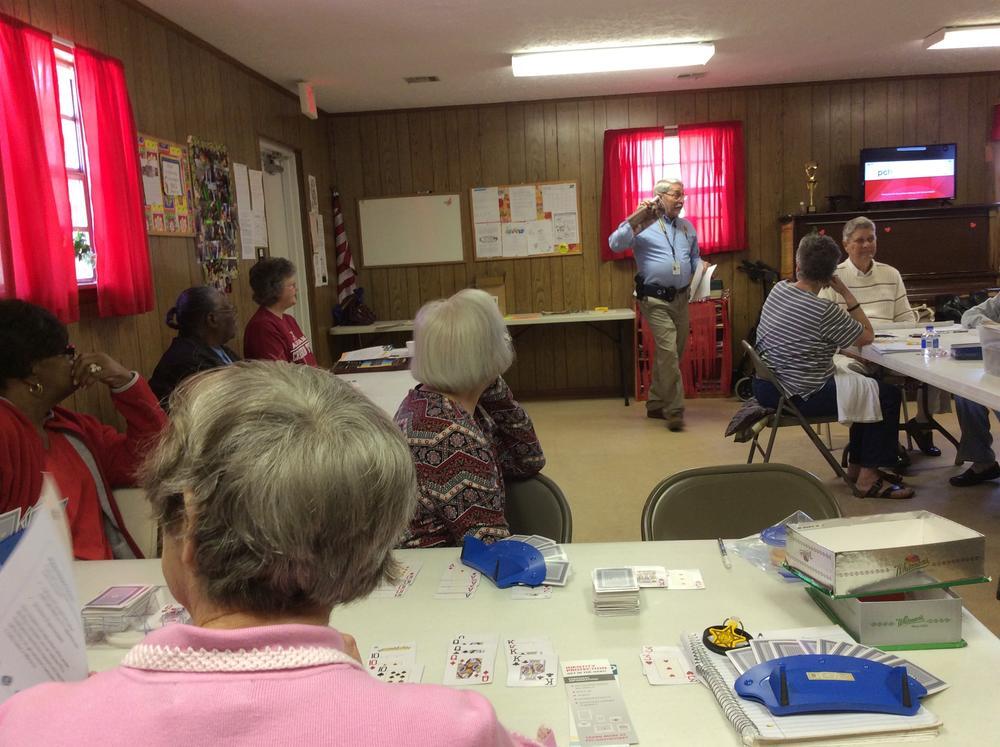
(685,579)
(539,542)
(118,597)
(651,576)
(614,580)
(556,572)
(531,592)
(666,665)
(457,582)
(552,552)
(408,574)
(395,663)
(9,522)
(531,662)
(742,658)
(470,659)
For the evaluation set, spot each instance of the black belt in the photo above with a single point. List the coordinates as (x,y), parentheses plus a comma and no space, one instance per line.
(663,293)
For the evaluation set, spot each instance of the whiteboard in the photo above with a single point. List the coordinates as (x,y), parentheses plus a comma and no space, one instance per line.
(418,230)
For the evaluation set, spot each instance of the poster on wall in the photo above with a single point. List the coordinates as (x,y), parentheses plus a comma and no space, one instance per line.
(166,187)
(215,219)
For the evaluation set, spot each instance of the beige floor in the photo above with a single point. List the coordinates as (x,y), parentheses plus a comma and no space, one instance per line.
(607,458)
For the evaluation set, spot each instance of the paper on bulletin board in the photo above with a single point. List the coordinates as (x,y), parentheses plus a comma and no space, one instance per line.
(151,180)
(257,200)
(171,172)
(559,198)
(566,228)
(488,241)
(244,210)
(522,203)
(540,237)
(319,269)
(514,240)
(485,205)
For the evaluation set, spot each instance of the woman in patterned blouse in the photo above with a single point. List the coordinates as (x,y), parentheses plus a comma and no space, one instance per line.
(466,432)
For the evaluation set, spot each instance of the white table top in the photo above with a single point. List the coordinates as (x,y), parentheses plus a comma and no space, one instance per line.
(965,378)
(685,714)
(387,389)
(511,320)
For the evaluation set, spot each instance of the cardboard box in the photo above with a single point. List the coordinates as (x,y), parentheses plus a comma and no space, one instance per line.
(885,552)
(930,617)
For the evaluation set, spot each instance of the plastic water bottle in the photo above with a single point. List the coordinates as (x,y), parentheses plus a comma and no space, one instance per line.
(930,342)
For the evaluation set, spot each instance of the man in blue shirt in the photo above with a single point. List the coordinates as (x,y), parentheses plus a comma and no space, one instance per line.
(666,256)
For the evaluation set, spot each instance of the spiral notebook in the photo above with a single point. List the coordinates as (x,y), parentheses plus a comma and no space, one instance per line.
(755,724)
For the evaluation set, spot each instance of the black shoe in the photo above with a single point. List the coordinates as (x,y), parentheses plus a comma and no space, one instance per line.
(657,414)
(923,435)
(971,477)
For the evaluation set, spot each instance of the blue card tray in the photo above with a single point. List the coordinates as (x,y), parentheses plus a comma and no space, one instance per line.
(818,683)
(505,563)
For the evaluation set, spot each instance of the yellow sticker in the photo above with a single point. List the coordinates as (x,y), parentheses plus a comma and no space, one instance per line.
(563,248)
(841,676)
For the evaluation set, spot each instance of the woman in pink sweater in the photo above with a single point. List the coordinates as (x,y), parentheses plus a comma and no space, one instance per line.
(263,485)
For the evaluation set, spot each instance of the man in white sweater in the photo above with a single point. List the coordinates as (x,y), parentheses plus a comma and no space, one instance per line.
(976,444)
(879,289)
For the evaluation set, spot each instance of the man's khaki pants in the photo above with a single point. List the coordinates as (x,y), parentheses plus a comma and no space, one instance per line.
(668,322)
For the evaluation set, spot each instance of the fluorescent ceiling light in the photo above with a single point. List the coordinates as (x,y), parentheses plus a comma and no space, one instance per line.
(609,59)
(964,37)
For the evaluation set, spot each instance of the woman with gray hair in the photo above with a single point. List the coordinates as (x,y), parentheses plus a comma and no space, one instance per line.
(465,430)
(281,492)
(797,337)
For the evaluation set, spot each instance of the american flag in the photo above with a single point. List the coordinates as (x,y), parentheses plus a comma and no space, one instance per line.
(346,274)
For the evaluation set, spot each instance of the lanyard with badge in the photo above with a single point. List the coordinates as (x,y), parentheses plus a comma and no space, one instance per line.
(675,267)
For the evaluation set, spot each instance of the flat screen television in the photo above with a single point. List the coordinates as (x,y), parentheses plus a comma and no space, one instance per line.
(911,172)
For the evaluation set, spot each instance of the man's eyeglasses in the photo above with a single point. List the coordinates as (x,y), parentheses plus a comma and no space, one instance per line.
(70,351)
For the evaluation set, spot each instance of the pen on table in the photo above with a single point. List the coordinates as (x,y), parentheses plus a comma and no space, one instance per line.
(724,554)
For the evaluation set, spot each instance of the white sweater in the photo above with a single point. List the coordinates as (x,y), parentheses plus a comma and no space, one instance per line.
(880,291)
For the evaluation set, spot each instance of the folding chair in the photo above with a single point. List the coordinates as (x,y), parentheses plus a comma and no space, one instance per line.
(787,414)
(536,505)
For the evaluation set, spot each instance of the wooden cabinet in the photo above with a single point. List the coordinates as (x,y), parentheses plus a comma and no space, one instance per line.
(937,250)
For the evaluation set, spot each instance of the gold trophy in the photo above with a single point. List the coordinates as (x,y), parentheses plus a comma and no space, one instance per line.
(811,168)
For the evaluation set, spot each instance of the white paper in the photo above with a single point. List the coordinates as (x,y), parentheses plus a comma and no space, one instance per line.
(701,283)
(257,200)
(559,198)
(522,204)
(514,239)
(319,269)
(313,194)
(316,232)
(540,237)
(244,210)
(565,228)
(41,632)
(171,171)
(485,205)
(151,181)
(376,352)
(488,241)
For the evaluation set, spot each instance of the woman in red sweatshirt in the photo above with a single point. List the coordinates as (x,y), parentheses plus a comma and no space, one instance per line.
(271,334)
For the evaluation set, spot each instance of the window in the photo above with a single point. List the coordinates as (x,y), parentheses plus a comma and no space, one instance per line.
(76,166)
(664,163)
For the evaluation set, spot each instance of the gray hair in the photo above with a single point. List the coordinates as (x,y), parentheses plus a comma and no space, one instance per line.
(817,257)
(298,487)
(857,223)
(460,343)
(663,185)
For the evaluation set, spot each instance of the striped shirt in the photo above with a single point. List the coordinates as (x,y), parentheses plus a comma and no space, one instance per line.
(880,291)
(798,335)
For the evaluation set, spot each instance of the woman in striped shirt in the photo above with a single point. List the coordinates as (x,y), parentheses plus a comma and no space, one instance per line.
(797,337)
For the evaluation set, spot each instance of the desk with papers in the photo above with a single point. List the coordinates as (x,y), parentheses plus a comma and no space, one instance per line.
(965,378)
(683,714)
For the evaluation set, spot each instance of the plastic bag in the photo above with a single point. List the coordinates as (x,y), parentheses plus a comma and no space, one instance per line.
(766,550)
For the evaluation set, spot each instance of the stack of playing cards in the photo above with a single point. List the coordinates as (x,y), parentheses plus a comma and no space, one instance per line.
(116,609)
(395,663)
(531,662)
(556,561)
(407,575)
(616,591)
(470,659)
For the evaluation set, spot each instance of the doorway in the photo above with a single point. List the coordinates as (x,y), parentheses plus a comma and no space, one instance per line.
(284,220)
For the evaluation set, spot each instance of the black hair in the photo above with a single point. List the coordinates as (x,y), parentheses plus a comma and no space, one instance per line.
(267,277)
(28,334)
(191,308)
(817,257)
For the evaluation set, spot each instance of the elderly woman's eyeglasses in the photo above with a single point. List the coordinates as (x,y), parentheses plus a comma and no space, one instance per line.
(69,351)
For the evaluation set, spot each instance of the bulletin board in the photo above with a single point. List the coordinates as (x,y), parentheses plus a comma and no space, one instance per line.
(413,230)
(166,187)
(541,219)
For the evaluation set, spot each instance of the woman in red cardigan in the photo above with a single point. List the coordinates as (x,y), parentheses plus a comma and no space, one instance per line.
(38,370)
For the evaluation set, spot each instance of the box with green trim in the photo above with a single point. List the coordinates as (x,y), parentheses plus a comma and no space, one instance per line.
(885,552)
(928,616)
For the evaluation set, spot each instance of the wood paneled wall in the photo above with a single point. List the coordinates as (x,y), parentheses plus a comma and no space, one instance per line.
(179,86)
(454,149)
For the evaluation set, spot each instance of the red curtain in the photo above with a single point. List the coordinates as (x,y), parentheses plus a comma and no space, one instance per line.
(37,249)
(627,155)
(124,280)
(712,169)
